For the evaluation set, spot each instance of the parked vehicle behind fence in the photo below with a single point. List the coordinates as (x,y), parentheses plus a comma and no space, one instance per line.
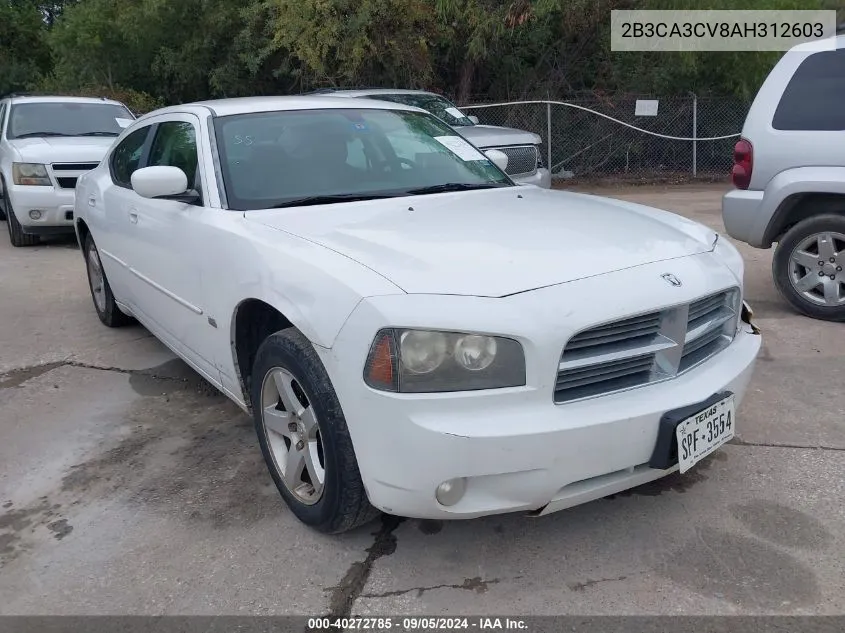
(525,160)
(789,174)
(415,333)
(46,143)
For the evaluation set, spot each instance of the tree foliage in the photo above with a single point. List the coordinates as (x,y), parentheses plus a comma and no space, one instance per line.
(164,51)
(24,53)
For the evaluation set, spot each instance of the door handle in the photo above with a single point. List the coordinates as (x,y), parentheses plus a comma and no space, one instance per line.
(133,217)
(92,201)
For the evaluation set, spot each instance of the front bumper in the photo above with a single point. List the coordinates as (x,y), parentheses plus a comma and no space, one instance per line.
(517,450)
(541,178)
(54,204)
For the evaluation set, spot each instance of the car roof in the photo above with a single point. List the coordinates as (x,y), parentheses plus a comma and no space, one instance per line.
(245,105)
(61,99)
(838,42)
(368,92)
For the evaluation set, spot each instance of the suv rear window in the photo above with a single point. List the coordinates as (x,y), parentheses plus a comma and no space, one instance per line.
(814,100)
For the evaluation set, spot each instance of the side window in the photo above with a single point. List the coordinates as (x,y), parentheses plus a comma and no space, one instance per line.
(814,98)
(2,117)
(127,156)
(175,145)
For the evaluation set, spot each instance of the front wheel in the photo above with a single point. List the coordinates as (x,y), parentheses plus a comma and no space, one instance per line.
(16,235)
(808,267)
(304,438)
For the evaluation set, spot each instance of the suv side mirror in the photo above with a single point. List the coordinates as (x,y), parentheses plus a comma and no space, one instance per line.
(163,182)
(474,119)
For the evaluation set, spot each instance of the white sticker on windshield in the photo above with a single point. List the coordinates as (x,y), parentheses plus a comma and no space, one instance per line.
(124,122)
(459,146)
(455,113)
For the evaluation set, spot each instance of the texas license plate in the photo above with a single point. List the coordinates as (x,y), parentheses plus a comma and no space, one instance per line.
(702,433)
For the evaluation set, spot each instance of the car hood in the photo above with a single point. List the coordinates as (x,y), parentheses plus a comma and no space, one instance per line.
(492,136)
(495,242)
(62,149)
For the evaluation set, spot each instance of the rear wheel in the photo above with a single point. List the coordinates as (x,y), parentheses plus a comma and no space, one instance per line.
(101,293)
(304,438)
(16,234)
(808,267)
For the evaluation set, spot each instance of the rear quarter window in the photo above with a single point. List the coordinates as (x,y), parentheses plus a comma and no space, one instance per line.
(814,99)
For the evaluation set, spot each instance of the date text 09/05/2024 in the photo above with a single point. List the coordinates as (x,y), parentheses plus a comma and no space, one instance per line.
(415,623)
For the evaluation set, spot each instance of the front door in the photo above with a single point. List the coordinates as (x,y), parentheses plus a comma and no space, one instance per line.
(165,248)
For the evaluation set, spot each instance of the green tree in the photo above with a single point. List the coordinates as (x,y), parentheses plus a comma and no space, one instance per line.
(24,51)
(348,42)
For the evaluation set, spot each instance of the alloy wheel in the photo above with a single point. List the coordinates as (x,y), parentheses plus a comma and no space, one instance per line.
(293,436)
(816,269)
(97,278)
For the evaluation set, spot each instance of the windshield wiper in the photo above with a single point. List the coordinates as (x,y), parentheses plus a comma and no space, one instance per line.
(33,134)
(453,186)
(98,134)
(329,199)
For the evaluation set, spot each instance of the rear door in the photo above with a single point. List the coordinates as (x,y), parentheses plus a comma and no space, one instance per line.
(111,202)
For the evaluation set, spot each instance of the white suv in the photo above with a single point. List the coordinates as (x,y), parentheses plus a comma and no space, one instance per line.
(790,176)
(46,143)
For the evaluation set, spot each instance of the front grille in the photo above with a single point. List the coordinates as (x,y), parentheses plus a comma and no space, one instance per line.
(710,328)
(646,348)
(611,375)
(74,166)
(626,331)
(68,173)
(522,160)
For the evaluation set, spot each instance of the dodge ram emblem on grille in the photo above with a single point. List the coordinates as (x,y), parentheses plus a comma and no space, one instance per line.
(671,279)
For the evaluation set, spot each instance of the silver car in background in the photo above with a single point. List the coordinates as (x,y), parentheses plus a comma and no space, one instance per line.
(525,162)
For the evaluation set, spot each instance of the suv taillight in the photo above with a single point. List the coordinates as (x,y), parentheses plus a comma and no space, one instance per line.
(743,164)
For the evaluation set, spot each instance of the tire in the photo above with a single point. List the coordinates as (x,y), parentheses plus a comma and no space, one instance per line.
(16,235)
(2,200)
(807,238)
(342,502)
(101,293)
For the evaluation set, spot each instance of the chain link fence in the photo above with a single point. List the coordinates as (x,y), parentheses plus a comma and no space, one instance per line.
(628,138)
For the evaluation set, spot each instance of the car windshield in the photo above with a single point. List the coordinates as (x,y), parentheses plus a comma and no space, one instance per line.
(439,106)
(301,157)
(67,119)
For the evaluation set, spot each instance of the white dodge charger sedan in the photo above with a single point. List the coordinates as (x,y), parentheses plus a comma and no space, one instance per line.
(413,332)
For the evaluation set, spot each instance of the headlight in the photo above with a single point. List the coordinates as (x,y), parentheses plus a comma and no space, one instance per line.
(427,361)
(728,253)
(30,174)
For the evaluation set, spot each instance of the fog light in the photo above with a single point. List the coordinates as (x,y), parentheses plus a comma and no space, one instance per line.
(450,492)
(35,214)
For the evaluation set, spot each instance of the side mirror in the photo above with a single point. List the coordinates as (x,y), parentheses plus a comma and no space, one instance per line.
(499,158)
(474,119)
(169,183)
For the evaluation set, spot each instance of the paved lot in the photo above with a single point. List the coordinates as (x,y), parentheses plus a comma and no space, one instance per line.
(126,486)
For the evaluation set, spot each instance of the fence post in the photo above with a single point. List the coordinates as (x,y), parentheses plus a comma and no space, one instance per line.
(694,135)
(549,134)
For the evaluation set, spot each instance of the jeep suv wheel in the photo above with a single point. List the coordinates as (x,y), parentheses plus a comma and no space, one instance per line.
(808,267)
